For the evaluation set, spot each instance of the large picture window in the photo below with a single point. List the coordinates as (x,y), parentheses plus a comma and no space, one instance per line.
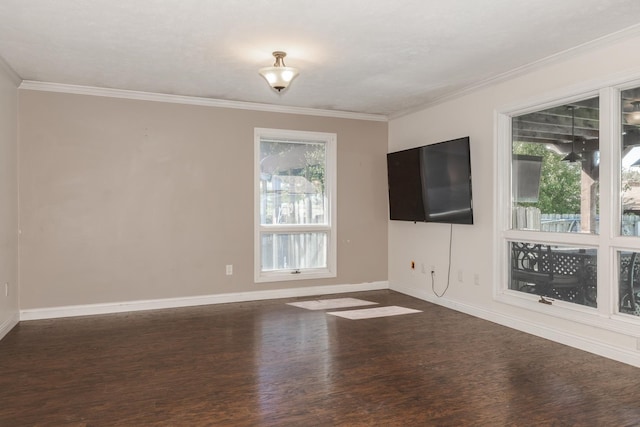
(630,162)
(555,167)
(570,206)
(295,205)
(628,257)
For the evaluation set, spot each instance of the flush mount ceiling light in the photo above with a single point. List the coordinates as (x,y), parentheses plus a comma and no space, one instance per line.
(279,76)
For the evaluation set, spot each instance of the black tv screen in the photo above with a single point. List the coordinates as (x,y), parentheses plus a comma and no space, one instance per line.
(405,185)
(431,183)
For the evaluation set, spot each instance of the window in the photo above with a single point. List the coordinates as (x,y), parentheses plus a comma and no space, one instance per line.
(558,272)
(555,167)
(628,257)
(630,162)
(569,203)
(295,193)
(629,282)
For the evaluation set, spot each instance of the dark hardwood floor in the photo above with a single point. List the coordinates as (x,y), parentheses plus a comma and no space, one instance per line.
(269,364)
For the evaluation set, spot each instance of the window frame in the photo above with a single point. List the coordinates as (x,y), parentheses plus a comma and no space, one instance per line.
(330,141)
(608,242)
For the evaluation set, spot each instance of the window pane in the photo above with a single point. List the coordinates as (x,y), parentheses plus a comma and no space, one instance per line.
(555,168)
(630,158)
(292,182)
(283,251)
(557,272)
(629,282)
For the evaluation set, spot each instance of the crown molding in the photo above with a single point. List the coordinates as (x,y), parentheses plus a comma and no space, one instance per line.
(193,100)
(564,55)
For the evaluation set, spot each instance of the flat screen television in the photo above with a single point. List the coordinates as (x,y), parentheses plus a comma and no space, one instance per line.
(431,183)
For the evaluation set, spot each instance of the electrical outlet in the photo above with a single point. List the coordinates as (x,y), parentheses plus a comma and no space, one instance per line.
(229,269)
(423,268)
(433,269)
(476,279)
(6,289)
(459,275)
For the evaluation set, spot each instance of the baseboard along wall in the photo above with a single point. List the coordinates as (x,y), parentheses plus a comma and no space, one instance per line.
(543,331)
(126,306)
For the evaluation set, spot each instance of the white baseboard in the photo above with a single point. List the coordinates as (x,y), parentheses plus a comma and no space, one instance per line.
(120,307)
(9,324)
(544,331)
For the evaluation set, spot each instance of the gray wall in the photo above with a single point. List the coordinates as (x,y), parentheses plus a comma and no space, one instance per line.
(8,198)
(125,200)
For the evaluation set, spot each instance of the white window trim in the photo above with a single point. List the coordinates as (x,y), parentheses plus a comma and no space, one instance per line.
(608,241)
(330,139)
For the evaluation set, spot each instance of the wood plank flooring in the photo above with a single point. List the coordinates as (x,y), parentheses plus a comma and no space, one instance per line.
(270,364)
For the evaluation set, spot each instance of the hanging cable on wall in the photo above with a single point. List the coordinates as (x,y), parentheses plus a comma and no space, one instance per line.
(433,273)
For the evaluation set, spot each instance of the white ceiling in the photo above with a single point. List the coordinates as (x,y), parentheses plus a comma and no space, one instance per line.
(367,56)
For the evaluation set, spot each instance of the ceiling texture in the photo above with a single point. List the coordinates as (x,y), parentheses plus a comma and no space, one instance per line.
(382,57)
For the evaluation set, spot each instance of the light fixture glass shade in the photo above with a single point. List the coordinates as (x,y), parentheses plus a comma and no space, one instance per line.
(279,75)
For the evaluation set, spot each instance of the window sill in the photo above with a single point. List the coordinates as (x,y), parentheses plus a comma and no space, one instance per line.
(279,276)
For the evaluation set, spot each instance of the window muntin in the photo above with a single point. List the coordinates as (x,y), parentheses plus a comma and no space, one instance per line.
(295,205)
(555,169)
